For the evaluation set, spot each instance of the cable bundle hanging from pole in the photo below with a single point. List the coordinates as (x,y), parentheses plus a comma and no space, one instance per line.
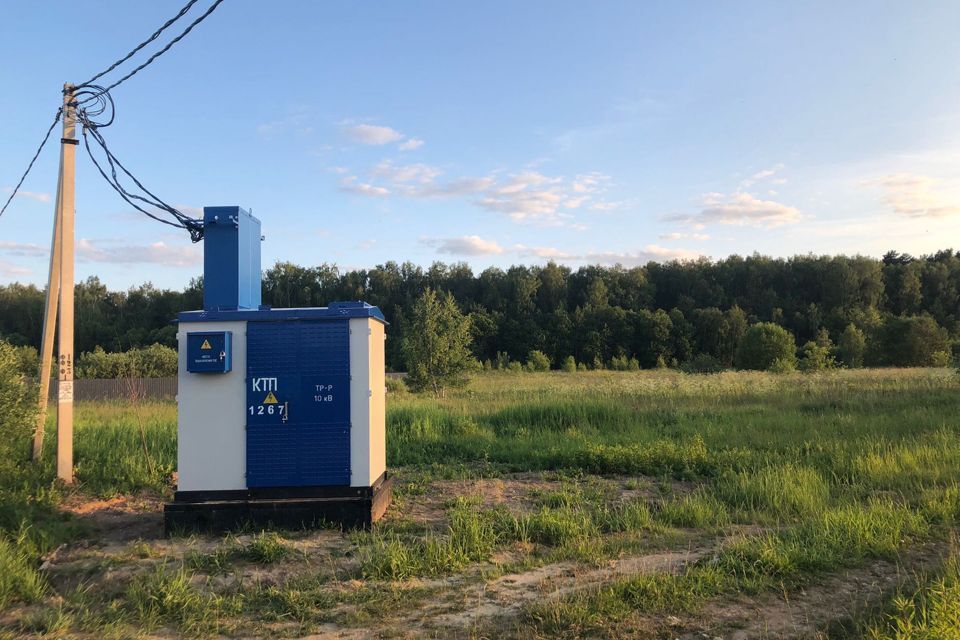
(102,102)
(87,103)
(92,100)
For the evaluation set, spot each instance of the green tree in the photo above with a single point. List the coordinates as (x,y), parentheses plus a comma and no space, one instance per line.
(815,356)
(765,343)
(569,365)
(538,361)
(852,346)
(912,341)
(436,344)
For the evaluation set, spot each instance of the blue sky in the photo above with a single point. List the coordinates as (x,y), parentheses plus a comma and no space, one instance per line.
(498,132)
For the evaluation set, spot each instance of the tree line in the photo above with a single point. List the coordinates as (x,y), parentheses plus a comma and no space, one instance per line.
(902,310)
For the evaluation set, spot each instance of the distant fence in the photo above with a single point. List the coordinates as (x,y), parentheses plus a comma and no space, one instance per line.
(120,388)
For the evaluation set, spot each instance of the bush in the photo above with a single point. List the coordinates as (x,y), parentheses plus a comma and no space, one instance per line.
(763,345)
(29,361)
(538,361)
(396,385)
(155,361)
(703,363)
(17,411)
(782,365)
(514,367)
(569,365)
(815,357)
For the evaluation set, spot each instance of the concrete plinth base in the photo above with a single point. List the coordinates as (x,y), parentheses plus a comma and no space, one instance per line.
(292,507)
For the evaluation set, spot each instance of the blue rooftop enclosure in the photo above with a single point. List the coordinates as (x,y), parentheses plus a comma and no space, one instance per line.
(231,259)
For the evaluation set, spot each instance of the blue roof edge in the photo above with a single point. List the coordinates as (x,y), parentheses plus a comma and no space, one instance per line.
(265,313)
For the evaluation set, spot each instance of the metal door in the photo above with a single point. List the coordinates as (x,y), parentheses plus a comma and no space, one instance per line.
(298,403)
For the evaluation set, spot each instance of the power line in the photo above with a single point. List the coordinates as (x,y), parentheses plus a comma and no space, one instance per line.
(46,137)
(140,46)
(162,51)
(103,102)
(99,100)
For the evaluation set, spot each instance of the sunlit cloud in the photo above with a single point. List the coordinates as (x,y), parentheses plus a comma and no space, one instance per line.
(526,196)
(159,253)
(464,246)
(740,209)
(410,144)
(11,270)
(30,195)
(916,196)
(26,249)
(371,134)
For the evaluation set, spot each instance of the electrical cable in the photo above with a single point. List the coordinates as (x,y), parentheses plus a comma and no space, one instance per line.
(159,53)
(46,137)
(140,46)
(91,129)
(92,101)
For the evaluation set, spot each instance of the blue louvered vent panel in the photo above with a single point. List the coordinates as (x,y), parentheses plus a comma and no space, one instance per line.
(298,403)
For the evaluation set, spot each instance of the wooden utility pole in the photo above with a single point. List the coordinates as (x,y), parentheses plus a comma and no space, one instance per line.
(49,325)
(60,300)
(68,151)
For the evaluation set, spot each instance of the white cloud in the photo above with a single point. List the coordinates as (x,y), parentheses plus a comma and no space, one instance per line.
(464,246)
(650,253)
(527,196)
(27,249)
(765,175)
(366,245)
(605,206)
(350,184)
(916,196)
(741,209)
(30,195)
(419,173)
(11,270)
(410,144)
(679,235)
(372,134)
(156,253)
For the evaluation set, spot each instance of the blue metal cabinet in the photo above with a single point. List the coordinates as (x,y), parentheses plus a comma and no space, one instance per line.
(209,352)
(298,403)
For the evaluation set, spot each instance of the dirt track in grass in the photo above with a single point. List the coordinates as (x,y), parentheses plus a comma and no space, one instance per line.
(486,599)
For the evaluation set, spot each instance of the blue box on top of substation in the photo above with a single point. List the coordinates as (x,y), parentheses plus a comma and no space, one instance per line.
(209,351)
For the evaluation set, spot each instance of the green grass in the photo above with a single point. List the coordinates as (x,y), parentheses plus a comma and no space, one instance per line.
(830,470)
(928,611)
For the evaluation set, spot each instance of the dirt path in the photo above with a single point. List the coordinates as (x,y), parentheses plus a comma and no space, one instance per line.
(808,612)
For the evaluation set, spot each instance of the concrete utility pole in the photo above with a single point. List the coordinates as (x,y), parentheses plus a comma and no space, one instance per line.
(60,300)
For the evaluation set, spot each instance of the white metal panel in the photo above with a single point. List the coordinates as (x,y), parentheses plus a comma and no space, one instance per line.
(378,400)
(367,391)
(211,417)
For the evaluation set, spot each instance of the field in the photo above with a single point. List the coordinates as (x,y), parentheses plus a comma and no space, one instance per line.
(600,504)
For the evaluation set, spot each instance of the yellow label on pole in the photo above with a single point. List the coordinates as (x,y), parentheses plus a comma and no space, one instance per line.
(206,345)
(270,399)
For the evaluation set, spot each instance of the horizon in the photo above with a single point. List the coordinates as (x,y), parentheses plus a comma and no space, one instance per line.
(545,132)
